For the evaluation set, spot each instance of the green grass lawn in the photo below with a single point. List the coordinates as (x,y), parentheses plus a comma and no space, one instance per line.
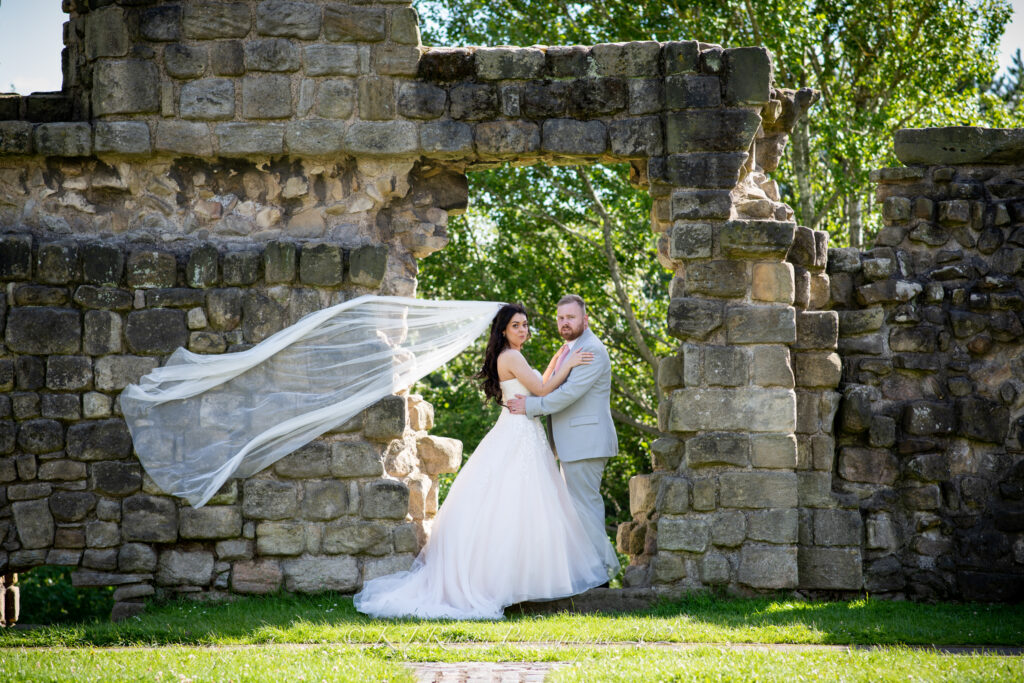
(330,618)
(322,637)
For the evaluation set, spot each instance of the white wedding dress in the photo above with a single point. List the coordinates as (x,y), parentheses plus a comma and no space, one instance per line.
(507,532)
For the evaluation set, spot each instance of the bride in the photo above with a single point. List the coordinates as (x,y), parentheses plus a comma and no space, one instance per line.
(508,531)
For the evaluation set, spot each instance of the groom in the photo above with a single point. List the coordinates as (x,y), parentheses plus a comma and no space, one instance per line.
(581,421)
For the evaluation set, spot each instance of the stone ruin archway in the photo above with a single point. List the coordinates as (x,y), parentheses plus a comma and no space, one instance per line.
(212,171)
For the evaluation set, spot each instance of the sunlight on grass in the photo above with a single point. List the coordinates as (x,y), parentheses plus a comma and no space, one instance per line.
(330,618)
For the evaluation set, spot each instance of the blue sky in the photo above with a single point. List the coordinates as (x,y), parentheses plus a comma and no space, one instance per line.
(30,43)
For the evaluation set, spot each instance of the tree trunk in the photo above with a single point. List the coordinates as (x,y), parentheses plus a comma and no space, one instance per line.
(801,164)
(853,214)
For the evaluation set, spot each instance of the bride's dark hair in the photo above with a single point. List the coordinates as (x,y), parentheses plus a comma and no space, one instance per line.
(495,345)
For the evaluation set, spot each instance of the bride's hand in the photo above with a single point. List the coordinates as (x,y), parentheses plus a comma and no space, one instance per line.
(580,358)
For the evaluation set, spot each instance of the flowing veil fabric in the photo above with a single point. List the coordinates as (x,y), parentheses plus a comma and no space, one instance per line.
(201,419)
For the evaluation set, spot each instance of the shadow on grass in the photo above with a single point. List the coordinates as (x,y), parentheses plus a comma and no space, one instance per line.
(331,618)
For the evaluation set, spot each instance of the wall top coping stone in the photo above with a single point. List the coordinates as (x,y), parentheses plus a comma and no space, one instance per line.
(958,145)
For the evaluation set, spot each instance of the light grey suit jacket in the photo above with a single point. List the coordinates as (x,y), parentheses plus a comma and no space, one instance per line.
(580,409)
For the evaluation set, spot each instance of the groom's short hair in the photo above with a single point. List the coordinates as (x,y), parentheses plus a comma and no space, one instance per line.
(573,299)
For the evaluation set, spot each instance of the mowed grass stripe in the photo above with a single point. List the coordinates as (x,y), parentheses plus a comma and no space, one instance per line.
(350,663)
(700,619)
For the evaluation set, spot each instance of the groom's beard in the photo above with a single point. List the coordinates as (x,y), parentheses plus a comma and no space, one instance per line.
(570,333)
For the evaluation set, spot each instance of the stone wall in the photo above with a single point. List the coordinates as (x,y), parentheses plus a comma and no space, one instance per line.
(84,318)
(930,440)
(212,170)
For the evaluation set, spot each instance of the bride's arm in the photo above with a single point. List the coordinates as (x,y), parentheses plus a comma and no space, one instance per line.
(515,363)
(551,364)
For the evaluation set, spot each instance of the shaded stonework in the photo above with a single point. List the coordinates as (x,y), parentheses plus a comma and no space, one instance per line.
(929,435)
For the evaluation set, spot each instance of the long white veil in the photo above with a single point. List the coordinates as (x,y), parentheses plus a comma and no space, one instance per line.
(201,419)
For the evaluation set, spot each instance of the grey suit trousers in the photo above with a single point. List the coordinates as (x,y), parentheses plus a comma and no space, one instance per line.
(583,479)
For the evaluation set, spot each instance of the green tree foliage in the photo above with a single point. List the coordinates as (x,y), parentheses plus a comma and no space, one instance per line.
(48,597)
(880,65)
(588,233)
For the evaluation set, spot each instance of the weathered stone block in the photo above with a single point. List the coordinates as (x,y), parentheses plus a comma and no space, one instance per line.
(691,535)
(718,449)
(768,567)
(837,527)
(208,99)
(643,492)
(693,318)
(288,19)
(868,465)
(667,568)
(122,137)
(69,373)
(114,373)
(322,264)
(700,204)
(279,262)
(71,506)
(728,528)
(266,499)
(448,138)
(502,138)
(150,519)
(689,240)
(161,23)
(726,279)
(180,567)
(125,86)
(350,538)
(667,452)
(331,60)
(925,418)
(631,60)
(747,77)
(345,24)
(183,137)
(773,451)
(266,97)
(773,282)
(324,500)
(982,420)
(773,526)
(831,568)
(258,577)
(102,534)
(63,139)
(680,57)
(760,324)
(589,97)
(384,499)
(185,61)
(505,63)
(212,20)
(41,436)
(817,369)
(280,538)
(673,496)
(757,238)
(261,316)
(315,137)
(210,522)
(439,454)
(704,170)
(313,574)
(116,478)
(381,138)
(710,130)
(817,329)
(34,523)
(758,489)
(386,419)
(686,91)
(310,461)
(156,331)
(739,409)
(43,330)
(569,136)
(151,269)
(243,139)
(15,137)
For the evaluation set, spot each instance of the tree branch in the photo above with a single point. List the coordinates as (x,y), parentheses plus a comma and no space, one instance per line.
(639,426)
(613,267)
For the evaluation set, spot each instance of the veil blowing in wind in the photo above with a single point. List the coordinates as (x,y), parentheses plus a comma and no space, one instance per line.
(202,419)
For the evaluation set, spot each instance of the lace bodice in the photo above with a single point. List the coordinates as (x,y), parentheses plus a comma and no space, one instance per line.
(511,387)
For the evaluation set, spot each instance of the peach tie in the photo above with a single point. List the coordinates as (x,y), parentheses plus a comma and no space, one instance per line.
(561,356)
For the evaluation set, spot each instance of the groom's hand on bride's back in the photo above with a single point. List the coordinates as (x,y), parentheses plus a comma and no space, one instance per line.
(517,405)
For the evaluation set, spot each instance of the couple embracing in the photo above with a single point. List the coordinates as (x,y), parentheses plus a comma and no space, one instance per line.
(513,528)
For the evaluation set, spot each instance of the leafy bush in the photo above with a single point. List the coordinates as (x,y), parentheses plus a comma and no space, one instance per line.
(47,597)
